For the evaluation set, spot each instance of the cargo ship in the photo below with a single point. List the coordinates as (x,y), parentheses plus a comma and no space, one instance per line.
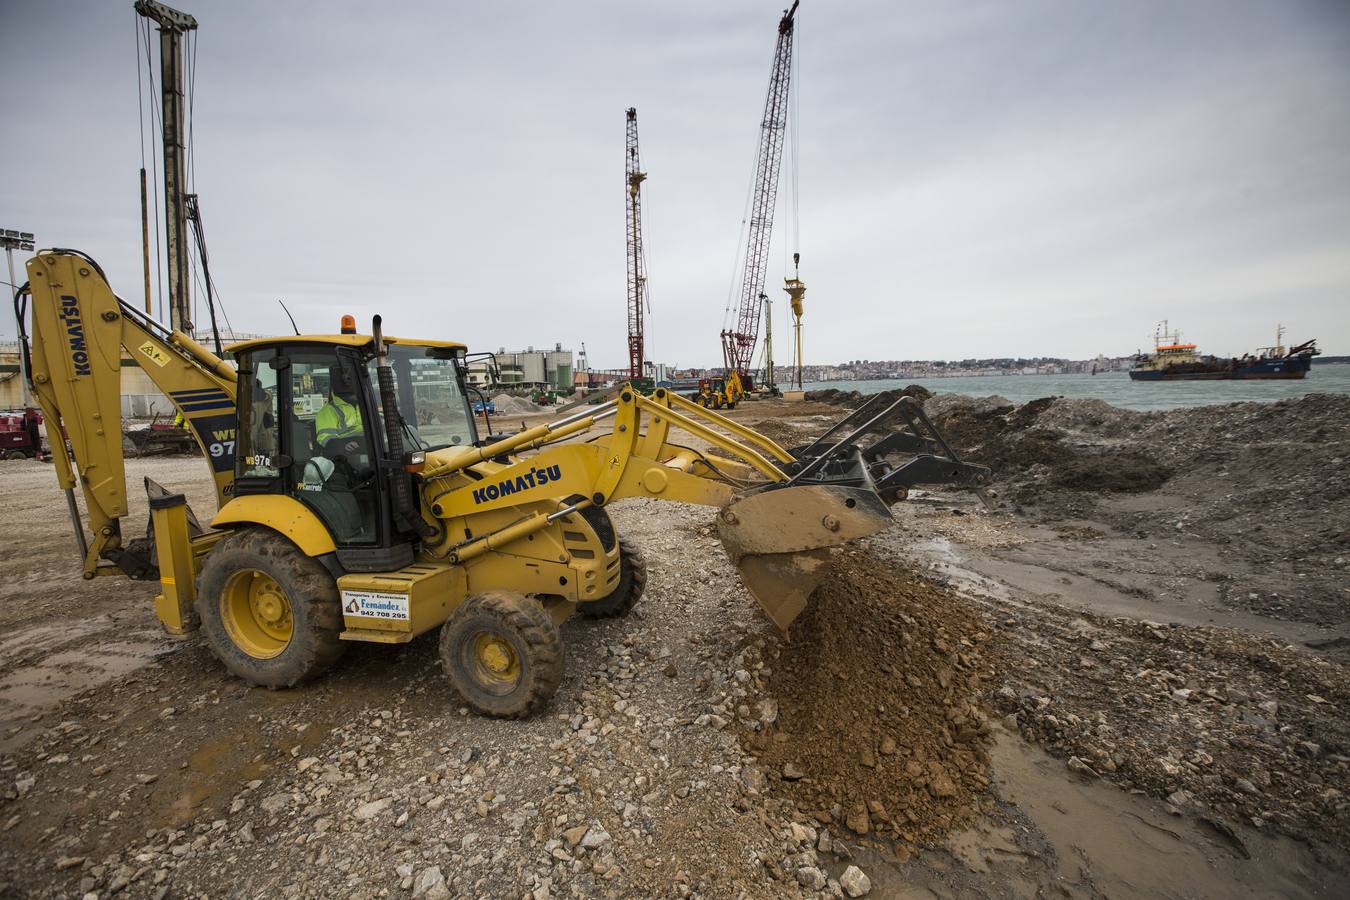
(1172,360)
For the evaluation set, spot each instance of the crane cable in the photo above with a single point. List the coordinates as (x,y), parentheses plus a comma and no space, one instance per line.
(794,117)
(742,243)
(189,51)
(206,281)
(645,265)
(794,146)
(142,28)
(143,33)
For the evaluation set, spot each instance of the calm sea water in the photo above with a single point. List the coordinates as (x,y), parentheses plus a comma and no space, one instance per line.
(1116,388)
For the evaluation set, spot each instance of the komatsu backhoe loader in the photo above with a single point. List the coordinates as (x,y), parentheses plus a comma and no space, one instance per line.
(722,392)
(357,501)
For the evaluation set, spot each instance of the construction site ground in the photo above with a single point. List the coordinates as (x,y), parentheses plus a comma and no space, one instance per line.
(1126,678)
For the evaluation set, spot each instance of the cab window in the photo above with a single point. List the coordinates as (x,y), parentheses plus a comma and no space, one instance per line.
(431,403)
(258,436)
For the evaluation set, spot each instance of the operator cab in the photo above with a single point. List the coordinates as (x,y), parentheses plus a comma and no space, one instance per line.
(310,426)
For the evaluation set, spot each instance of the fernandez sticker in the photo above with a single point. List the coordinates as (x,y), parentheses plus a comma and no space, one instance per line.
(375,605)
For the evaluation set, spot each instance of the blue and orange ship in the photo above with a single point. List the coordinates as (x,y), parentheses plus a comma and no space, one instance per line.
(1172,360)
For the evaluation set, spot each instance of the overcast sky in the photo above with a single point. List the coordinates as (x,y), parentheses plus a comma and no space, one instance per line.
(1042,177)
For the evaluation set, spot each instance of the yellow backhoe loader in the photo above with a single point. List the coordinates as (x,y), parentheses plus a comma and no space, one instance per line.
(357,501)
(722,392)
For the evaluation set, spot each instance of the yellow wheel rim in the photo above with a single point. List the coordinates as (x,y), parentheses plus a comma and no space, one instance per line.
(495,661)
(256,613)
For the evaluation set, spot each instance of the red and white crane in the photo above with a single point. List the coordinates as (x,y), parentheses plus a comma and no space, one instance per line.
(738,343)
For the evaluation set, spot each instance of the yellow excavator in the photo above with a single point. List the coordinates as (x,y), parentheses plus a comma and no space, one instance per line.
(358,502)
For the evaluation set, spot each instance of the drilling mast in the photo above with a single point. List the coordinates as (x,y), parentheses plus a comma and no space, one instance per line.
(637,270)
(738,346)
(172,26)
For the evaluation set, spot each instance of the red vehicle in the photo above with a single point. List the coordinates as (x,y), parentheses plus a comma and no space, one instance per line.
(20,434)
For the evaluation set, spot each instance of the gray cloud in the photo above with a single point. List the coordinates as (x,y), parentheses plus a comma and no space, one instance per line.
(976,179)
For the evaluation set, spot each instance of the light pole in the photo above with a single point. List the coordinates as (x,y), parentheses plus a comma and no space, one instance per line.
(18,240)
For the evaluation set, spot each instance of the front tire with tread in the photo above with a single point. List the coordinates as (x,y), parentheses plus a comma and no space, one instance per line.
(311,592)
(523,639)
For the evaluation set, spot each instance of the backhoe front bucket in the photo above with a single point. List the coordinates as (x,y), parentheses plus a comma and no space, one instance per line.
(779,539)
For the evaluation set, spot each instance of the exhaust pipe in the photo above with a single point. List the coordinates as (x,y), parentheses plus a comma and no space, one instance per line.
(406,513)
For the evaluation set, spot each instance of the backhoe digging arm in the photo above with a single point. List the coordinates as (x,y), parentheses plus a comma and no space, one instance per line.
(79,330)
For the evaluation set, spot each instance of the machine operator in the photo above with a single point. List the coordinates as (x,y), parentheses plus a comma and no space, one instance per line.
(337,425)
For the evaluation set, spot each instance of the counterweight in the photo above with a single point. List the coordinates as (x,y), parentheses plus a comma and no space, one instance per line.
(738,346)
(637,269)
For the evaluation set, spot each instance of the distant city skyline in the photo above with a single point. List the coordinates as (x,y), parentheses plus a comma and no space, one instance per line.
(976,179)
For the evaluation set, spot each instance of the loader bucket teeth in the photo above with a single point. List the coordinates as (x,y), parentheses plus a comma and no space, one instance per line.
(779,539)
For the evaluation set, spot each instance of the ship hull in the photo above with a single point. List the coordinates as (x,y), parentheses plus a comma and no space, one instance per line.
(1231,370)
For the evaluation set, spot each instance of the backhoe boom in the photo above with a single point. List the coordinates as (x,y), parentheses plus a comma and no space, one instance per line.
(79,332)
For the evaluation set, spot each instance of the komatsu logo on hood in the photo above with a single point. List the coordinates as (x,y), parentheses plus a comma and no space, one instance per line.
(533,478)
(79,350)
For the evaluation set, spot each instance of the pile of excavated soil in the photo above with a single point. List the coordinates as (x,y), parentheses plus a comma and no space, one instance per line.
(1014,440)
(1266,483)
(869,721)
(854,399)
(516,406)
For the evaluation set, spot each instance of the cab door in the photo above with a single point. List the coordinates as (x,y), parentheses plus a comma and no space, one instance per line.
(312,434)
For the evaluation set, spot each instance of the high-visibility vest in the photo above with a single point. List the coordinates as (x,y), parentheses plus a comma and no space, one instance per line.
(337,419)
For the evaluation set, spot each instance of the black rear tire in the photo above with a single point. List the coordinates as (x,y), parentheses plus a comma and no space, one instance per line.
(303,641)
(502,653)
(632,582)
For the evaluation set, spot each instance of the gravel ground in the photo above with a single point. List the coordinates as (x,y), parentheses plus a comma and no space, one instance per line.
(690,751)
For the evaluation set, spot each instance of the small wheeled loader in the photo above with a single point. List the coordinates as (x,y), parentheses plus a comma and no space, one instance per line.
(358,502)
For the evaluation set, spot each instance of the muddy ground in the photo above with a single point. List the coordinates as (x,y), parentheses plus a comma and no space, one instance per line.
(1126,679)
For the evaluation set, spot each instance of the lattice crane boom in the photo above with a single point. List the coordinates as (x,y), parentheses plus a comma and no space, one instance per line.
(637,266)
(738,345)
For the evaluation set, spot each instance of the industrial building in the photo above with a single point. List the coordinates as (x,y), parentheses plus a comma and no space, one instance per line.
(528,368)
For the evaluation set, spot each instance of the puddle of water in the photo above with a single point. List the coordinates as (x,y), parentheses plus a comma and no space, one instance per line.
(1049,569)
(220,768)
(949,561)
(46,637)
(34,688)
(985,846)
(1070,837)
(215,772)
(1116,844)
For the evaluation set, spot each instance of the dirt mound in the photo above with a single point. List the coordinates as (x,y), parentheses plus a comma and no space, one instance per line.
(995,433)
(1125,471)
(518,406)
(1051,442)
(869,721)
(854,399)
